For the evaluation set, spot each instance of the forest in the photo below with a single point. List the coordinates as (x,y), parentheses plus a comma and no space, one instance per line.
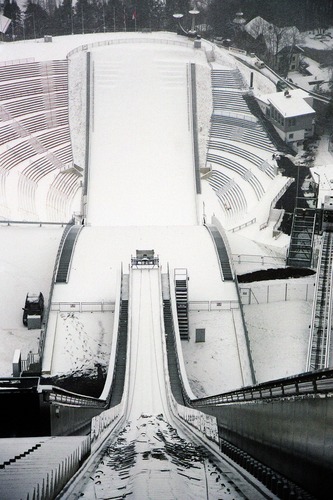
(37,18)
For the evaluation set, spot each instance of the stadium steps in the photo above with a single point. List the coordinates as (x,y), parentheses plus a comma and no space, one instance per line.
(66,254)
(302,238)
(120,367)
(182,303)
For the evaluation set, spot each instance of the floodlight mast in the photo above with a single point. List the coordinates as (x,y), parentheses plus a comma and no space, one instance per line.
(191,32)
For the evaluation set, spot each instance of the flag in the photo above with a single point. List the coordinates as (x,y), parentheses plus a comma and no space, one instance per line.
(134,15)
(4,23)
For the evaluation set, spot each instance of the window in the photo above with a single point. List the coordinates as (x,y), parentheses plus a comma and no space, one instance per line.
(291,136)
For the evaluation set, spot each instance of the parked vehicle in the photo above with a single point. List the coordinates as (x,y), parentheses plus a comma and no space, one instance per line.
(34,306)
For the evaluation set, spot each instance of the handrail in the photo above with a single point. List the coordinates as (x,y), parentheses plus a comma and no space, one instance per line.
(54,394)
(86,47)
(39,223)
(47,313)
(309,383)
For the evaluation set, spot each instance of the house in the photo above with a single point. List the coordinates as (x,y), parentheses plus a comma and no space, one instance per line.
(291,114)
(278,44)
(289,58)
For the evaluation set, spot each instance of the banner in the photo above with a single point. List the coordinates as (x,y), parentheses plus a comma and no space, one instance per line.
(4,23)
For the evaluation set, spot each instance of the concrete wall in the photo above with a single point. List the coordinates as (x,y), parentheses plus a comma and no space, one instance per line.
(294,437)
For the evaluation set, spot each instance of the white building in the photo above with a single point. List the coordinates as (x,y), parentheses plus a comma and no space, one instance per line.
(291,114)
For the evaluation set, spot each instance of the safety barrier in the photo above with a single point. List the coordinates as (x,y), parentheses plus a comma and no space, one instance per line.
(279,292)
(90,46)
(47,312)
(213,305)
(83,306)
(101,422)
(314,383)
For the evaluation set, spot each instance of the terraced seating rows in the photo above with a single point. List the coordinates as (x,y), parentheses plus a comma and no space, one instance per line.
(245,173)
(230,194)
(7,134)
(243,153)
(61,194)
(16,154)
(35,103)
(228,99)
(224,78)
(223,129)
(32,69)
(63,153)
(15,89)
(44,120)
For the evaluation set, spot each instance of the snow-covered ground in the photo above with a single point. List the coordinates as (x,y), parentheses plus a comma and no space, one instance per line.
(180,252)
(129,194)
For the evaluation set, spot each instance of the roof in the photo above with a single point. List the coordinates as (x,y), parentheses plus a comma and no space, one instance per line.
(287,35)
(294,105)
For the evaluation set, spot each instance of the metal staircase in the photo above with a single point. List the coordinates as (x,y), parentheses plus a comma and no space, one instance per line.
(170,341)
(180,276)
(302,237)
(66,254)
(321,325)
(120,363)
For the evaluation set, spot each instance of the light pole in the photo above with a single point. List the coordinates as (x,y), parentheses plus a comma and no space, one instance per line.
(192,33)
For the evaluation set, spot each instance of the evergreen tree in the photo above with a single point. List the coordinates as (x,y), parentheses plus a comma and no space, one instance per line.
(62,19)
(36,21)
(13,12)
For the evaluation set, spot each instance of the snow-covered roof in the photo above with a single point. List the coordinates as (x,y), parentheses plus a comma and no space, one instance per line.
(257,26)
(287,36)
(291,104)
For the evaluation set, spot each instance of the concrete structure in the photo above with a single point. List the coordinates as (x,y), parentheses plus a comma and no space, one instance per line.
(291,114)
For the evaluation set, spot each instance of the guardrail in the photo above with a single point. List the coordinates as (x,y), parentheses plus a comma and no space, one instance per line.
(310,383)
(17,61)
(16,383)
(235,114)
(82,306)
(245,224)
(47,312)
(89,46)
(213,305)
(273,202)
(259,259)
(53,394)
(37,223)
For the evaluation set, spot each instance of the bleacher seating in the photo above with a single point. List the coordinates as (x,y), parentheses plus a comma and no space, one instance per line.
(230,100)
(35,103)
(230,194)
(233,166)
(61,193)
(34,133)
(239,130)
(232,127)
(244,154)
(225,78)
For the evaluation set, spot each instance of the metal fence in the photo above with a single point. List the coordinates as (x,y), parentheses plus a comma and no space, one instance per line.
(213,305)
(280,292)
(83,306)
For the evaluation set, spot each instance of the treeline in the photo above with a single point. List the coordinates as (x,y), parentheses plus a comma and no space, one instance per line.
(304,14)
(54,17)
(51,17)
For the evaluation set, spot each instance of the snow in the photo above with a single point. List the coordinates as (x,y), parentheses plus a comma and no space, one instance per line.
(293,104)
(174,242)
(141,196)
